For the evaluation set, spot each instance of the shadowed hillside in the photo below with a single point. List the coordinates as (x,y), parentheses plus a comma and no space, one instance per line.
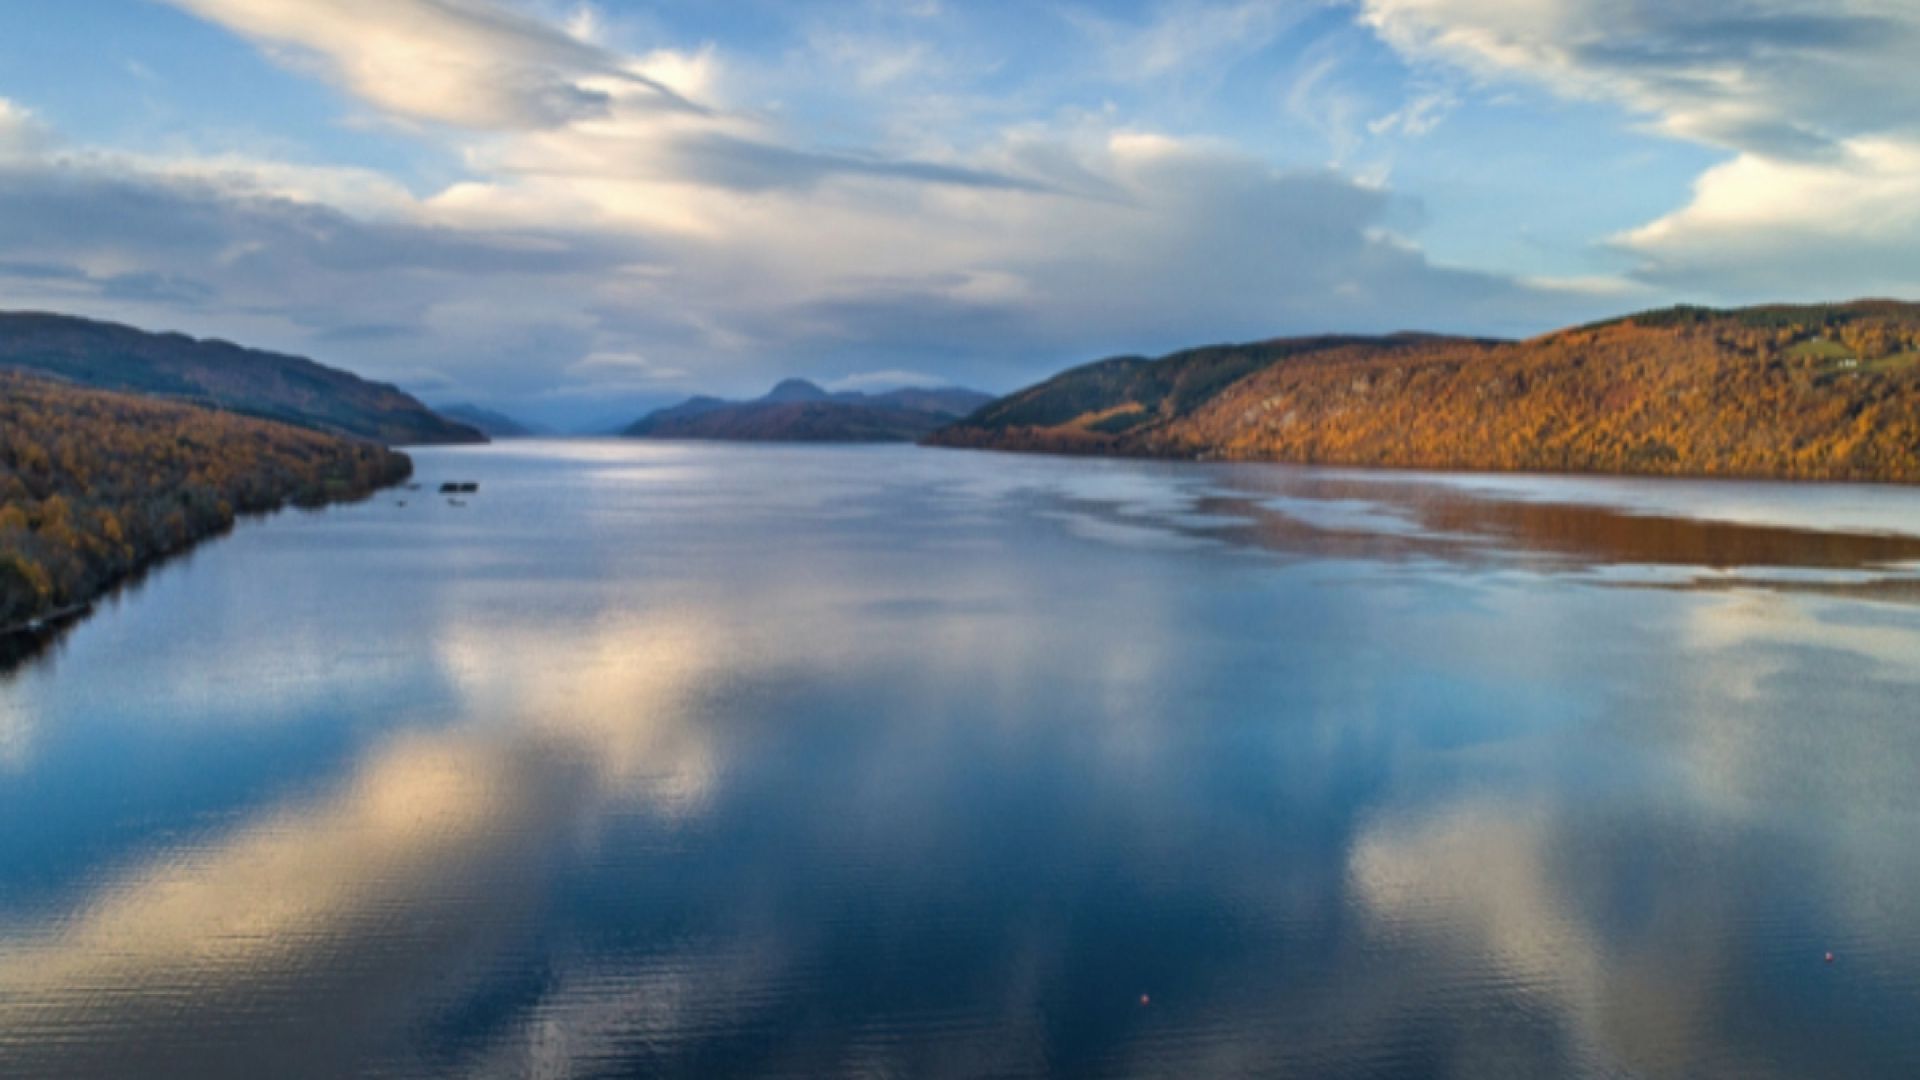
(1805,392)
(95,484)
(108,356)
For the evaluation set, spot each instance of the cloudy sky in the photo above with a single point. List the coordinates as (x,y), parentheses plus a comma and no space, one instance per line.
(573,210)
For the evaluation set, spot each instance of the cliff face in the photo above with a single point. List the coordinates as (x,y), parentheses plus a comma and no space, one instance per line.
(1829,392)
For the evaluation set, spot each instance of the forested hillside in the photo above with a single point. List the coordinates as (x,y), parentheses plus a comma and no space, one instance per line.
(94,484)
(1808,392)
(108,356)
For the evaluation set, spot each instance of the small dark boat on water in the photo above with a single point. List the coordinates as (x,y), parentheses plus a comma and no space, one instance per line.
(459,487)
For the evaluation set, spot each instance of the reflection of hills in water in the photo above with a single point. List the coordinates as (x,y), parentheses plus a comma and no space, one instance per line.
(1308,513)
(22,644)
(1334,517)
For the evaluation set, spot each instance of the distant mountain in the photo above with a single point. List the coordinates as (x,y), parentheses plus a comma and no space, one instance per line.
(221,375)
(494,425)
(790,390)
(799,411)
(1806,392)
(682,413)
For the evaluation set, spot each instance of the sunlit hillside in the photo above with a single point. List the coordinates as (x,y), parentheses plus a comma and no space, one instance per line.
(1810,392)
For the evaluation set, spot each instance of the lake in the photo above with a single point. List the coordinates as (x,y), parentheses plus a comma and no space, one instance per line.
(707,761)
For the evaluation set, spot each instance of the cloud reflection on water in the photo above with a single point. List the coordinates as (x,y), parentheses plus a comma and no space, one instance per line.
(953,794)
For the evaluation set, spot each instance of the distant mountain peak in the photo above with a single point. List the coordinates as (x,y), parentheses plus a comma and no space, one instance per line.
(796,390)
(801,411)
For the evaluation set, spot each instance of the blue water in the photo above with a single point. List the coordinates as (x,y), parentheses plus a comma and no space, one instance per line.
(690,760)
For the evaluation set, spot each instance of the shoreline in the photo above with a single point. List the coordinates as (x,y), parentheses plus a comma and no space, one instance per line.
(25,640)
(1218,458)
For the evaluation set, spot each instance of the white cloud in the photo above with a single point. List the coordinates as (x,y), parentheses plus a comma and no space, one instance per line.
(1184,36)
(21,133)
(1767,226)
(1768,76)
(471,63)
(712,239)
(1814,100)
(1419,116)
(604,368)
(872,61)
(1593,285)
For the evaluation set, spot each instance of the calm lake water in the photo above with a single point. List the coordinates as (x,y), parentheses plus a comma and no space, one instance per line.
(709,761)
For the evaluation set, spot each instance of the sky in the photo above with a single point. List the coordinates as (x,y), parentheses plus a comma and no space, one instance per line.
(573,211)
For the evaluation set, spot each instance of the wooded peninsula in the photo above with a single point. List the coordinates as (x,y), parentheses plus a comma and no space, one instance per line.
(96,484)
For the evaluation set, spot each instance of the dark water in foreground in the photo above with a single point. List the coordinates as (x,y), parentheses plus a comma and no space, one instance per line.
(713,761)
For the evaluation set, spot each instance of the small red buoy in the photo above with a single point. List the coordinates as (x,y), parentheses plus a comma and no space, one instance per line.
(1145,1000)
(1829,958)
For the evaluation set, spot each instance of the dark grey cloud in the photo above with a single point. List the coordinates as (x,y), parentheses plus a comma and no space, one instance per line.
(38,271)
(140,285)
(722,160)
(749,165)
(270,271)
(365,332)
(151,286)
(1664,37)
(50,216)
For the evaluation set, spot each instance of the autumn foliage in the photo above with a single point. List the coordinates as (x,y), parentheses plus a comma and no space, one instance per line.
(95,484)
(1815,392)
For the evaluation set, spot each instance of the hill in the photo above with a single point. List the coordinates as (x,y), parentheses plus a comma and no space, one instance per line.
(1802,392)
(108,356)
(96,484)
(492,424)
(799,411)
